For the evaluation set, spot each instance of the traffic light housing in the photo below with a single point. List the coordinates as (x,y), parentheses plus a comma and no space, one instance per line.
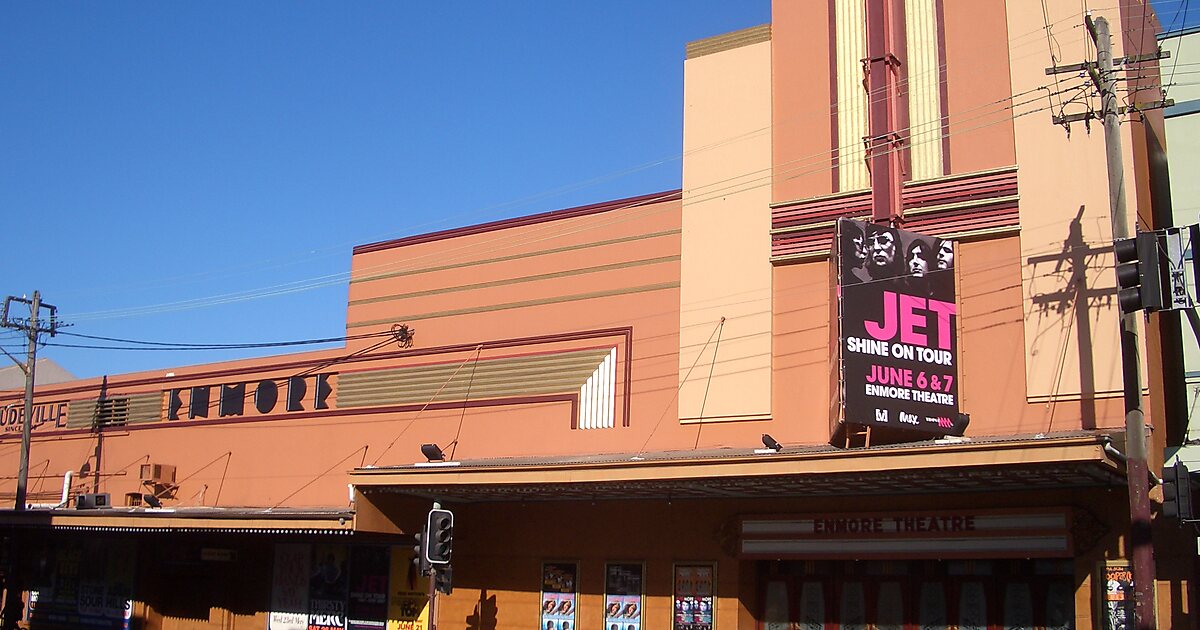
(442,582)
(1139,273)
(1177,492)
(439,528)
(420,558)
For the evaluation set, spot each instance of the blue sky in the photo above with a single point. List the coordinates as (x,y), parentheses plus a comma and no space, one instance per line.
(153,154)
(1176,15)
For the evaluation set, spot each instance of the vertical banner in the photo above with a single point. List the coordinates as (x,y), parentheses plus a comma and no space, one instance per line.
(366,606)
(558,596)
(693,597)
(289,588)
(327,588)
(408,599)
(898,321)
(623,596)
(1116,602)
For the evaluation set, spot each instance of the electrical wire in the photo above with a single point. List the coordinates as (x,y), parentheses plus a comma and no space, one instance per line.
(191,303)
(216,347)
(341,277)
(964,274)
(157,345)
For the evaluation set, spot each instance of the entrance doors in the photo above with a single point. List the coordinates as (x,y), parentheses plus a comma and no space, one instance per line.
(912,595)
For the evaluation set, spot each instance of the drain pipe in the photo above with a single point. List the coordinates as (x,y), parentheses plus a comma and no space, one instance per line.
(1121,457)
(66,494)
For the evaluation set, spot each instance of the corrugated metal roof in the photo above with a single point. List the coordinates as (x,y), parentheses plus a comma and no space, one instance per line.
(986,464)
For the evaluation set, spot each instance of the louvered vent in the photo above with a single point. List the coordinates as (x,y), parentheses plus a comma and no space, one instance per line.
(114,411)
(560,372)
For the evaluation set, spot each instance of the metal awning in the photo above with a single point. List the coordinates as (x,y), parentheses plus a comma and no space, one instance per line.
(240,520)
(1010,463)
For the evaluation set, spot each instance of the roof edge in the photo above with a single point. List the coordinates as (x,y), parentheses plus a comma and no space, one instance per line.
(553,215)
(728,41)
(1047,449)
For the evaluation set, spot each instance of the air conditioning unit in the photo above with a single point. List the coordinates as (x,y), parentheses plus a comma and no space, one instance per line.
(161,474)
(92,501)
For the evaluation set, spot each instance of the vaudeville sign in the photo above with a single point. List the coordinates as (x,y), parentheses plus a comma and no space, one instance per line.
(898,320)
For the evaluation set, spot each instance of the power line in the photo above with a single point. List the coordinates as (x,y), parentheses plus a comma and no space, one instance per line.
(820,159)
(316,282)
(157,345)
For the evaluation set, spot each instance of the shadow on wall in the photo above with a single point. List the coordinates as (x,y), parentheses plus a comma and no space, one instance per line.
(1073,303)
(484,617)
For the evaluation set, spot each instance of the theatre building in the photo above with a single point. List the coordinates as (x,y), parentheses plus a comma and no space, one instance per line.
(861,370)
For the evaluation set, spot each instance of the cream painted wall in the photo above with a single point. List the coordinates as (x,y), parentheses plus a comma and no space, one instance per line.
(1183,147)
(725,268)
(850,18)
(1071,343)
(924,89)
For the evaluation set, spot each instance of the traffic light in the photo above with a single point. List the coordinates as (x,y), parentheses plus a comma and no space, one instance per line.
(442,582)
(1139,274)
(420,558)
(1177,492)
(439,528)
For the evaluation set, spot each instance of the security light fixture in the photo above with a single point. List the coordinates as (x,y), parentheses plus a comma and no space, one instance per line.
(432,452)
(770,443)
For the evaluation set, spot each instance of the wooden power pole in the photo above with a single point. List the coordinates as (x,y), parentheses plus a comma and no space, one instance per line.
(1139,544)
(32,328)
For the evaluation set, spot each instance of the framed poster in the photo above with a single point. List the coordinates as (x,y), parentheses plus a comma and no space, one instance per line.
(328,587)
(1116,595)
(366,603)
(408,593)
(623,596)
(558,595)
(693,596)
(289,587)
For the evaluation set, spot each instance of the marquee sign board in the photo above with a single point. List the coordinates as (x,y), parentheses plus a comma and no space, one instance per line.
(898,321)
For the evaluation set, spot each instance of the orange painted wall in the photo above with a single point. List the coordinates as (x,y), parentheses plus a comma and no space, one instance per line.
(614,268)
(976,92)
(801,100)
(977,87)
(290,460)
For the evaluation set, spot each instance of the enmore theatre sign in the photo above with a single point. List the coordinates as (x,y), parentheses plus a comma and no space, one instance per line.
(221,400)
(949,534)
(231,397)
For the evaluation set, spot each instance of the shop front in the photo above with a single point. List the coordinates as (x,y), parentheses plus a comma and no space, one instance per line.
(970,535)
(1008,568)
(965,594)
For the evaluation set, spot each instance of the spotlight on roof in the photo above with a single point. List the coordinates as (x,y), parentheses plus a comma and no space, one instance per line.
(432,453)
(151,500)
(770,443)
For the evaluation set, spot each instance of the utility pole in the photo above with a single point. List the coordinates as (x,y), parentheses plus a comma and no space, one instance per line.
(1137,471)
(1139,545)
(32,329)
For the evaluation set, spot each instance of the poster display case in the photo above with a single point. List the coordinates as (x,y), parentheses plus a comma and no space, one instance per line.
(559,580)
(693,596)
(623,592)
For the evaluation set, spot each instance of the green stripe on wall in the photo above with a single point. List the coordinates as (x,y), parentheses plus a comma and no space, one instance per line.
(511,305)
(519,280)
(543,252)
